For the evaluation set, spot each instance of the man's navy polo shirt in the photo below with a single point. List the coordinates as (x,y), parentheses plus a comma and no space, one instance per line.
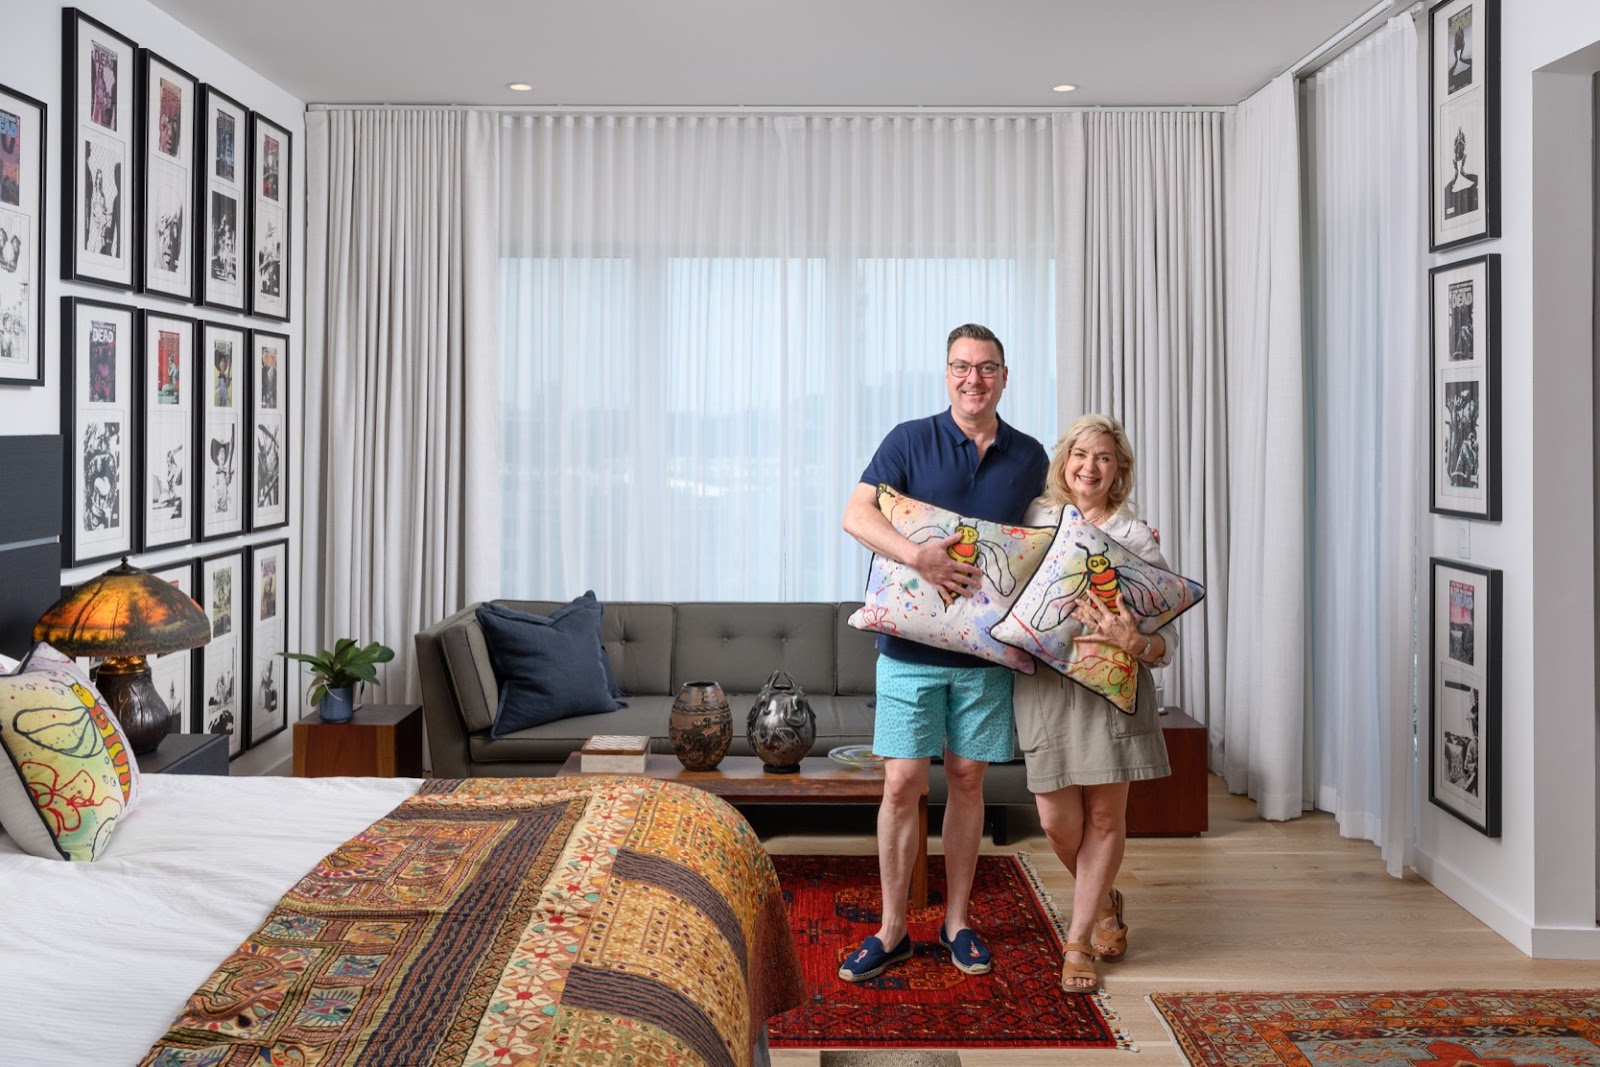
(932,460)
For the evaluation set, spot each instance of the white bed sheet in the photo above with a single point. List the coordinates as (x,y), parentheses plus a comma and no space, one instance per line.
(97,958)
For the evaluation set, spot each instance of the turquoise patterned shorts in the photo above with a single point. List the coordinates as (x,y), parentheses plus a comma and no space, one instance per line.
(924,710)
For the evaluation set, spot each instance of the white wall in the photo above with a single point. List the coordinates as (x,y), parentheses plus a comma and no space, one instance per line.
(1537,883)
(33,66)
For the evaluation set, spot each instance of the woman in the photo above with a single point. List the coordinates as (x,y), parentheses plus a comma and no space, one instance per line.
(1081,751)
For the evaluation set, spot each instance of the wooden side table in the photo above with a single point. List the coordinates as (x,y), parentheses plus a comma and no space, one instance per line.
(1174,806)
(187,754)
(379,741)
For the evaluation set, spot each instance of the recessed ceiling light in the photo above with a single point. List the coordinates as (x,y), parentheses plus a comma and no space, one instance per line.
(521,87)
(1064,87)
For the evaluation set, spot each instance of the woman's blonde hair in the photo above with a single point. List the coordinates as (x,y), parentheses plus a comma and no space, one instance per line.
(1056,491)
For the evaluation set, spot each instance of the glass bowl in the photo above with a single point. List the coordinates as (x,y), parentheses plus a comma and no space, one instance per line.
(855,756)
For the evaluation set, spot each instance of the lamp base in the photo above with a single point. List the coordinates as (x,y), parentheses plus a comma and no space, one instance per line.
(125,683)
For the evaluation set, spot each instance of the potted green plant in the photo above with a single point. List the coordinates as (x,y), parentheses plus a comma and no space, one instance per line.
(335,675)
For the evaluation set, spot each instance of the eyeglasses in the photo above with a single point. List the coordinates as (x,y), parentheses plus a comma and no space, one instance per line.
(961,368)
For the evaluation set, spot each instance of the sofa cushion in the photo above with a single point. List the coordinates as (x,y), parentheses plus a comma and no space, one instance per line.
(553,741)
(523,616)
(471,674)
(739,645)
(857,654)
(637,637)
(548,668)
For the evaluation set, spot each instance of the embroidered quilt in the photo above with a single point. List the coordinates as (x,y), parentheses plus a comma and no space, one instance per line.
(512,921)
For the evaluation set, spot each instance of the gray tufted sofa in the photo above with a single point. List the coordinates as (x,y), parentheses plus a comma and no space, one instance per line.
(654,648)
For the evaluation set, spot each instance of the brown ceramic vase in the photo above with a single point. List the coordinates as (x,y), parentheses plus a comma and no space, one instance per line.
(701,725)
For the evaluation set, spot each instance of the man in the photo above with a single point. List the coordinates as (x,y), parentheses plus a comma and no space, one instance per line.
(931,701)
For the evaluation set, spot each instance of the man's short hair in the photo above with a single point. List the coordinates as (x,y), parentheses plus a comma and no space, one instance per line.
(975,332)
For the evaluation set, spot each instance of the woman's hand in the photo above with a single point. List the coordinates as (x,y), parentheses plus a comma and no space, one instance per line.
(1106,626)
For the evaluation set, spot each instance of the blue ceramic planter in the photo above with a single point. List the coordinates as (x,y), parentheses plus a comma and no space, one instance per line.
(337,705)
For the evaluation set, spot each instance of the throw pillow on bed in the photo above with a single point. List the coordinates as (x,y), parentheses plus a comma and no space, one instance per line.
(67,775)
(899,602)
(547,668)
(1084,561)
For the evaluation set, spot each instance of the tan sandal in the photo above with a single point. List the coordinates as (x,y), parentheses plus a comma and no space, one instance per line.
(1070,970)
(1111,942)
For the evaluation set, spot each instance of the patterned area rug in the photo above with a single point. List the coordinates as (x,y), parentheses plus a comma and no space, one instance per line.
(1444,1028)
(925,1002)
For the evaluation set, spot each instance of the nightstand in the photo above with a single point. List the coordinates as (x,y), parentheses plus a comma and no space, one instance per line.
(187,754)
(379,741)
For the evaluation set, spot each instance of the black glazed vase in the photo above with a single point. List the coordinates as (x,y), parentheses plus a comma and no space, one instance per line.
(781,725)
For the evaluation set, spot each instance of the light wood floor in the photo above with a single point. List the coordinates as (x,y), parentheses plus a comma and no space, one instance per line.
(1251,905)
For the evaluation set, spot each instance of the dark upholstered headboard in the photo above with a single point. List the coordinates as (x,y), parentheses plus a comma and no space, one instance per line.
(30,535)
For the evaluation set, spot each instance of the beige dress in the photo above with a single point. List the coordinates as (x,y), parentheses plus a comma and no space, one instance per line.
(1071,736)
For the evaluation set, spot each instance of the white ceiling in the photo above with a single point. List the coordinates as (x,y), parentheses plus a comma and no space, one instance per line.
(819,53)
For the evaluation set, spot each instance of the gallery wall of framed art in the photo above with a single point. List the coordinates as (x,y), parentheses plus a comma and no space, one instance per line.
(175,170)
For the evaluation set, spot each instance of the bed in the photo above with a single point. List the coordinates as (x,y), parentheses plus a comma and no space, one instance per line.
(339,921)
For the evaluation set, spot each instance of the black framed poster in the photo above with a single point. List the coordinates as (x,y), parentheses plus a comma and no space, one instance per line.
(270,236)
(172,673)
(223,204)
(167,388)
(269,697)
(22,181)
(1464,332)
(1463,122)
(217,677)
(169,99)
(98,153)
(1464,710)
(269,430)
(97,416)
(221,431)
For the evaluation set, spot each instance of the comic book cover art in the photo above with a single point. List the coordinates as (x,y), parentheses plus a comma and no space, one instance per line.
(169,389)
(102,362)
(269,167)
(103,86)
(223,149)
(102,199)
(10,159)
(1461,331)
(1463,622)
(267,388)
(169,132)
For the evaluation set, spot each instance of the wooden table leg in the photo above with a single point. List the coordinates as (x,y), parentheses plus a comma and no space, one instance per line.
(919,869)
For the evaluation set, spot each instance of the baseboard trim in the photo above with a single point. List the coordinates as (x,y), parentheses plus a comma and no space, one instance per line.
(1483,906)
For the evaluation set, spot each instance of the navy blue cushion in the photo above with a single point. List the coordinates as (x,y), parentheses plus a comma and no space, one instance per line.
(547,668)
(587,598)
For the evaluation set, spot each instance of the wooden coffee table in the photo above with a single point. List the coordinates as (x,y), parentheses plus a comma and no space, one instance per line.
(744,780)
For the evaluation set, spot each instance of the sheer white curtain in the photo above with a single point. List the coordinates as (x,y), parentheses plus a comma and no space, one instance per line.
(709,322)
(1367,359)
(1139,306)
(1259,726)
(401,475)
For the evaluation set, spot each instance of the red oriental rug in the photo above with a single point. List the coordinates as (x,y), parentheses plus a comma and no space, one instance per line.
(925,1002)
(1444,1028)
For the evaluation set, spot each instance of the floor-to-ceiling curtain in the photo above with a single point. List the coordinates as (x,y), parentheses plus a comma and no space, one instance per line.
(1366,359)
(400,479)
(1258,728)
(710,321)
(1139,306)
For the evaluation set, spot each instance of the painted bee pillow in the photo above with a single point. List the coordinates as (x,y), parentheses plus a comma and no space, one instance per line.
(899,602)
(1084,561)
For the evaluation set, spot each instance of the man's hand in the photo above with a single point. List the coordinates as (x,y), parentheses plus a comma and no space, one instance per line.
(939,569)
